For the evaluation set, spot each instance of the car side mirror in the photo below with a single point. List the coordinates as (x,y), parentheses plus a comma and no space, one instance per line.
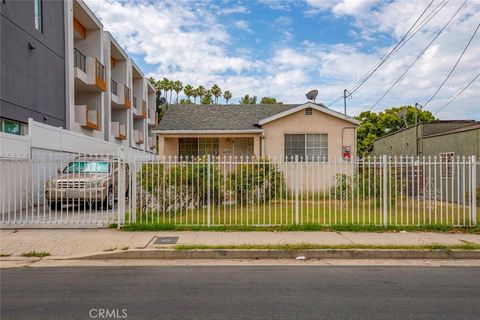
(59,171)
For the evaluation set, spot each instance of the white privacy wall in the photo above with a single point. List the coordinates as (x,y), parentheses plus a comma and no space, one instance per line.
(22,173)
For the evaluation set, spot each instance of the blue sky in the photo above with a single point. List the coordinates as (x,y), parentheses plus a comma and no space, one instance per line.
(286,48)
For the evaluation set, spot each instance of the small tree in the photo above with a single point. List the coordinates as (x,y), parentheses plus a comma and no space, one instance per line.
(207,98)
(248,100)
(227,95)
(268,100)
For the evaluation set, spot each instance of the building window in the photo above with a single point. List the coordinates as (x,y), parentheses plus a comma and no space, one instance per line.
(38,15)
(311,147)
(188,147)
(12,127)
(243,147)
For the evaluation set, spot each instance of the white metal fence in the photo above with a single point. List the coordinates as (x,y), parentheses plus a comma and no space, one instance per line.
(211,191)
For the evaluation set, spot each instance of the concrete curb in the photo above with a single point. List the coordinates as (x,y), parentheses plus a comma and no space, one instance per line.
(284,254)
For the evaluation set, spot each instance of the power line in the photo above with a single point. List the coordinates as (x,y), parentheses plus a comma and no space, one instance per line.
(419,56)
(456,96)
(390,53)
(397,47)
(451,71)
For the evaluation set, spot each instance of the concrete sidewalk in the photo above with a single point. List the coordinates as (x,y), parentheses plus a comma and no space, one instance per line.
(65,243)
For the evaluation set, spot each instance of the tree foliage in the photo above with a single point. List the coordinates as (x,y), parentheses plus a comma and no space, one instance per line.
(375,125)
(247,99)
(227,95)
(268,100)
(207,98)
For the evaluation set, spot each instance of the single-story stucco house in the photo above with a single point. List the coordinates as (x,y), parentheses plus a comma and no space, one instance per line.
(275,130)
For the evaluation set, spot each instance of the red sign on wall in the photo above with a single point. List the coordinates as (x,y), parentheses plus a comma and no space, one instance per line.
(347,152)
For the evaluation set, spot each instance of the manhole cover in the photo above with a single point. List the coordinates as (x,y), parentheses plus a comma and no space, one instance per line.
(165,240)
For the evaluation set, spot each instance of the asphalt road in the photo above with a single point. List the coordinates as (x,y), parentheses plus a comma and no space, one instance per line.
(241,292)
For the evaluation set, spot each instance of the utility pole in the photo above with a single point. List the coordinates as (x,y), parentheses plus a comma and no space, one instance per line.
(417,107)
(346,94)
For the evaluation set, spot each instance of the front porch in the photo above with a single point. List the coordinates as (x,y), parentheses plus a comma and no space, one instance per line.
(224,145)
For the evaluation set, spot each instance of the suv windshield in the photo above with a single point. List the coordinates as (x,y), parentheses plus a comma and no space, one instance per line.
(87,167)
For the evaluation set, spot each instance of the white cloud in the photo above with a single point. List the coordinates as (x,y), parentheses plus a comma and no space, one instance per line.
(185,40)
(243,25)
(235,9)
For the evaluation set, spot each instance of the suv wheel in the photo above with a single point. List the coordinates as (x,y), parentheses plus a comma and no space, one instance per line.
(55,205)
(108,201)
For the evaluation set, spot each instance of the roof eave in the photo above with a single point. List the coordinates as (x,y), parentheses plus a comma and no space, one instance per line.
(163,131)
(308,105)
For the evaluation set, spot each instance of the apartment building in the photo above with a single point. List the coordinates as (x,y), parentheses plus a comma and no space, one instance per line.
(76,76)
(32,64)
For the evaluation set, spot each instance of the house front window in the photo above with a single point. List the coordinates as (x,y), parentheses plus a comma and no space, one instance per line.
(307,147)
(243,147)
(194,147)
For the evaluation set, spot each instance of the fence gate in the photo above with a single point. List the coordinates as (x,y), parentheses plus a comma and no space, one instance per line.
(47,190)
(61,190)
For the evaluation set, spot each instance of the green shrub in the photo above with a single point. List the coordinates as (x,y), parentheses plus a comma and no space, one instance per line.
(179,186)
(257,182)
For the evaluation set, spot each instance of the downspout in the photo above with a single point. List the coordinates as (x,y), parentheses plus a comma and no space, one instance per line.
(262,144)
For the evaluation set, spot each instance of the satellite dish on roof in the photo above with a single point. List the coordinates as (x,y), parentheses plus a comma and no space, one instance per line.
(312,95)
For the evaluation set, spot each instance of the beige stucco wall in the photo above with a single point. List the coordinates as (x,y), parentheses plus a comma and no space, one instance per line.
(318,122)
(309,177)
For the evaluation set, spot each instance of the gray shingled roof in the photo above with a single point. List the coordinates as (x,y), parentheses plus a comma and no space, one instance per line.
(218,117)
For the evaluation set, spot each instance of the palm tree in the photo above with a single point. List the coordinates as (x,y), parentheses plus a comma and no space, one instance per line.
(207,97)
(171,84)
(177,87)
(201,91)
(227,95)
(216,92)
(188,90)
(248,100)
(195,95)
(164,85)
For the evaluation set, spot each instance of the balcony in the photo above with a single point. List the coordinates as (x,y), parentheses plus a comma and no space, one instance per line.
(152,118)
(89,73)
(126,94)
(119,131)
(86,118)
(100,75)
(151,142)
(79,60)
(144,109)
(138,136)
(114,87)
(135,102)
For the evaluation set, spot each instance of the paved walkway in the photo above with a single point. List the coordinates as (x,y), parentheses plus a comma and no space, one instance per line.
(84,242)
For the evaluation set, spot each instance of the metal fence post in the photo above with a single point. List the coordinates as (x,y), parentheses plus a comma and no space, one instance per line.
(474,189)
(208,189)
(385,188)
(121,193)
(296,190)
(133,190)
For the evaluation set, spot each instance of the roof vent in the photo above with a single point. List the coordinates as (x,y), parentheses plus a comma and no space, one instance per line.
(308,111)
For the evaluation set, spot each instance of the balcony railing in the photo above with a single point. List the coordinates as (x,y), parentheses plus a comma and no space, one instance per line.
(128,103)
(114,87)
(100,75)
(79,60)
(135,102)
